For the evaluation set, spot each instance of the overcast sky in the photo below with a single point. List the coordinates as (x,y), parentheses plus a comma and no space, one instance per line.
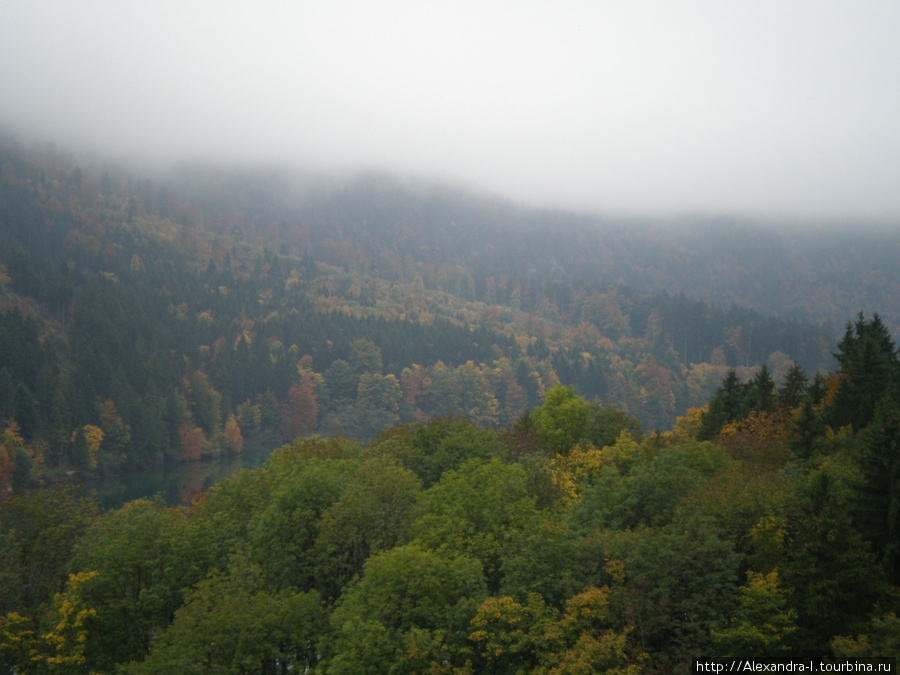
(758,108)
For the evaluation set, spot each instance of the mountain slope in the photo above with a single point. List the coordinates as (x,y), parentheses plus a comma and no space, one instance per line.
(170,318)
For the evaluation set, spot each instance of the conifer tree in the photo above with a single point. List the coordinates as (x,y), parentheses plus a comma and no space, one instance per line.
(791,393)
(878,496)
(869,367)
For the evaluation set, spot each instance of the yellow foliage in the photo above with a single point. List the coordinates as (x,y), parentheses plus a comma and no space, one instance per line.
(768,537)
(686,426)
(59,650)
(567,470)
(93,437)
(587,608)
(498,626)
(616,569)
(761,436)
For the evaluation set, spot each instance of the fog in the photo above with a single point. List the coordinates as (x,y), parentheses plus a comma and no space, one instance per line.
(759,109)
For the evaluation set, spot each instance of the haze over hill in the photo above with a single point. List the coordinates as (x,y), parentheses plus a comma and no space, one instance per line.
(651,108)
(273,304)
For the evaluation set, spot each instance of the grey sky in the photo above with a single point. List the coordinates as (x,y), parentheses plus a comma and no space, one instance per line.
(760,108)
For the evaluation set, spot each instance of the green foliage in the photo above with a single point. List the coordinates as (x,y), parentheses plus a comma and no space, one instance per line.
(881,640)
(432,448)
(402,592)
(562,419)
(230,623)
(835,577)
(681,585)
(136,585)
(477,510)
(878,496)
(220,522)
(764,624)
(283,533)
(374,513)
(541,560)
(38,535)
(649,491)
(606,424)
(869,367)
(141,324)
(57,647)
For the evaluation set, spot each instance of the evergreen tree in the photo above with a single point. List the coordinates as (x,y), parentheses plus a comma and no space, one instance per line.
(762,390)
(807,429)
(869,366)
(794,388)
(727,405)
(878,496)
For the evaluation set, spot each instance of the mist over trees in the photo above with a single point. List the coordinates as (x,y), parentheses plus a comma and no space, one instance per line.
(150,321)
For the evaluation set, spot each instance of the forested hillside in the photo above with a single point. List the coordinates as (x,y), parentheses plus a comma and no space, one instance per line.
(369,222)
(763,527)
(148,320)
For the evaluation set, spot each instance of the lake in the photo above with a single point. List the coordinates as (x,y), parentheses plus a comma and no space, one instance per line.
(177,483)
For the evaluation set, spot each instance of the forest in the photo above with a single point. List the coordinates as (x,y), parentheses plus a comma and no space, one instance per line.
(506,440)
(152,319)
(763,525)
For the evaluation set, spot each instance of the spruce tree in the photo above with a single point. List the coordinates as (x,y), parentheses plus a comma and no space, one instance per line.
(794,388)
(869,366)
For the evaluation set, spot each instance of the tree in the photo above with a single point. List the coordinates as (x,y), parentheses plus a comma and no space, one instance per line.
(877,503)
(340,382)
(507,635)
(431,448)
(232,437)
(378,402)
(230,623)
(282,533)
(300,411)
(793,391)
(86,441)
(727,405)
(38,535)
(374,513)
(585,639)
(681,585)
(562,419)
(606,423)
(762,390)
(478,510)
(764,624)
(808,426)
(404,595)
(869,368)
(60,646)
(136,586)
(829,566)
(365,357)
(12,448)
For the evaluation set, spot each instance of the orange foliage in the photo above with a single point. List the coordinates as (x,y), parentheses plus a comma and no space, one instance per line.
(300,411)
(191,441)
(234,440)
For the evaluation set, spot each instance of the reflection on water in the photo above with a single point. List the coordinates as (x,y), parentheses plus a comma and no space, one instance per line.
(177,484)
